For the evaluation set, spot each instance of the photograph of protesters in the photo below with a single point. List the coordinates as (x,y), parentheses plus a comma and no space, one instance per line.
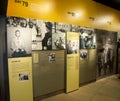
(87,38)
(47,40)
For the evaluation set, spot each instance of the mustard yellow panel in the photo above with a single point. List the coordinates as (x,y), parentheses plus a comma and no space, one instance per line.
(72,68)
(20,79)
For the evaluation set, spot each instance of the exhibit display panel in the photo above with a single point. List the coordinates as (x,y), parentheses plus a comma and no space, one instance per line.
(92,65)
(19,42)
(48,72)
(87,55)
(72,64)
(106,52)
(87,66)
(45,39)
(20,79)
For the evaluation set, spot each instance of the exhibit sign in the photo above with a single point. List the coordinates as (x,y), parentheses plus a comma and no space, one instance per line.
(72,80)
(29,8)
(20,79)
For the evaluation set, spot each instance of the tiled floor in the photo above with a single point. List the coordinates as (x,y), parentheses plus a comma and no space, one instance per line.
(107,89)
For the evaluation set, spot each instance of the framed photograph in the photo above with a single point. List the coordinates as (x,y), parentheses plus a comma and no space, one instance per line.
(23,76)
(72,46)
(83,54)
(51,57)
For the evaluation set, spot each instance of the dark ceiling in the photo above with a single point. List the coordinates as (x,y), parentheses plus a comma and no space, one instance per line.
(3,7)
(111,3)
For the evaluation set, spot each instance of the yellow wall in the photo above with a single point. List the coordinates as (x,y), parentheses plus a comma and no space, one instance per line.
(57,10)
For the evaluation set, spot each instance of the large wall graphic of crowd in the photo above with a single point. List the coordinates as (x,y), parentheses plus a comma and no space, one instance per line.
(25,35)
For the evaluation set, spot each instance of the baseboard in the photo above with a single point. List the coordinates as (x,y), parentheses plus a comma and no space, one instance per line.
(48,95)
(85,83)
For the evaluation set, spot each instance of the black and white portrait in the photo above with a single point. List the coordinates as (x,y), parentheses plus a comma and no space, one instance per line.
(18,37)
(47,40)
(62,27)
(23,76)
(118,39)
(75,28)
(38,30)
(72,47)
(87,38)
(41,34)
(106,52)
(51,57)
(83,54)
(59,35)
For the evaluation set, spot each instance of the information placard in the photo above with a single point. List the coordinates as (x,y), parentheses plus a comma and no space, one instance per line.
(72,62)
(20,79)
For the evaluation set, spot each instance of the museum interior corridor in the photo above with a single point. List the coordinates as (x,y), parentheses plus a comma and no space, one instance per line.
(60,50)
(106,89)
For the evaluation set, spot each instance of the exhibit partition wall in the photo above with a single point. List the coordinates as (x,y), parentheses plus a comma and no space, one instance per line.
(48,73)
(87,55)
(19,42)
(72,64)
(49,57)
(55,57)
(106,52)
(48,52)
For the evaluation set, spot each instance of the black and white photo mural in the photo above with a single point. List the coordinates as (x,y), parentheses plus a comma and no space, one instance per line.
(41,34)
(38,30)
(75,28)
(106,52)
(18,37)
(59,35)
(87,38)
(72,47)
(118,39)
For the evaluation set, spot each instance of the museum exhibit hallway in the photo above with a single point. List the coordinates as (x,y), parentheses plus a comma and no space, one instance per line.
(106,89)
(60,50)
